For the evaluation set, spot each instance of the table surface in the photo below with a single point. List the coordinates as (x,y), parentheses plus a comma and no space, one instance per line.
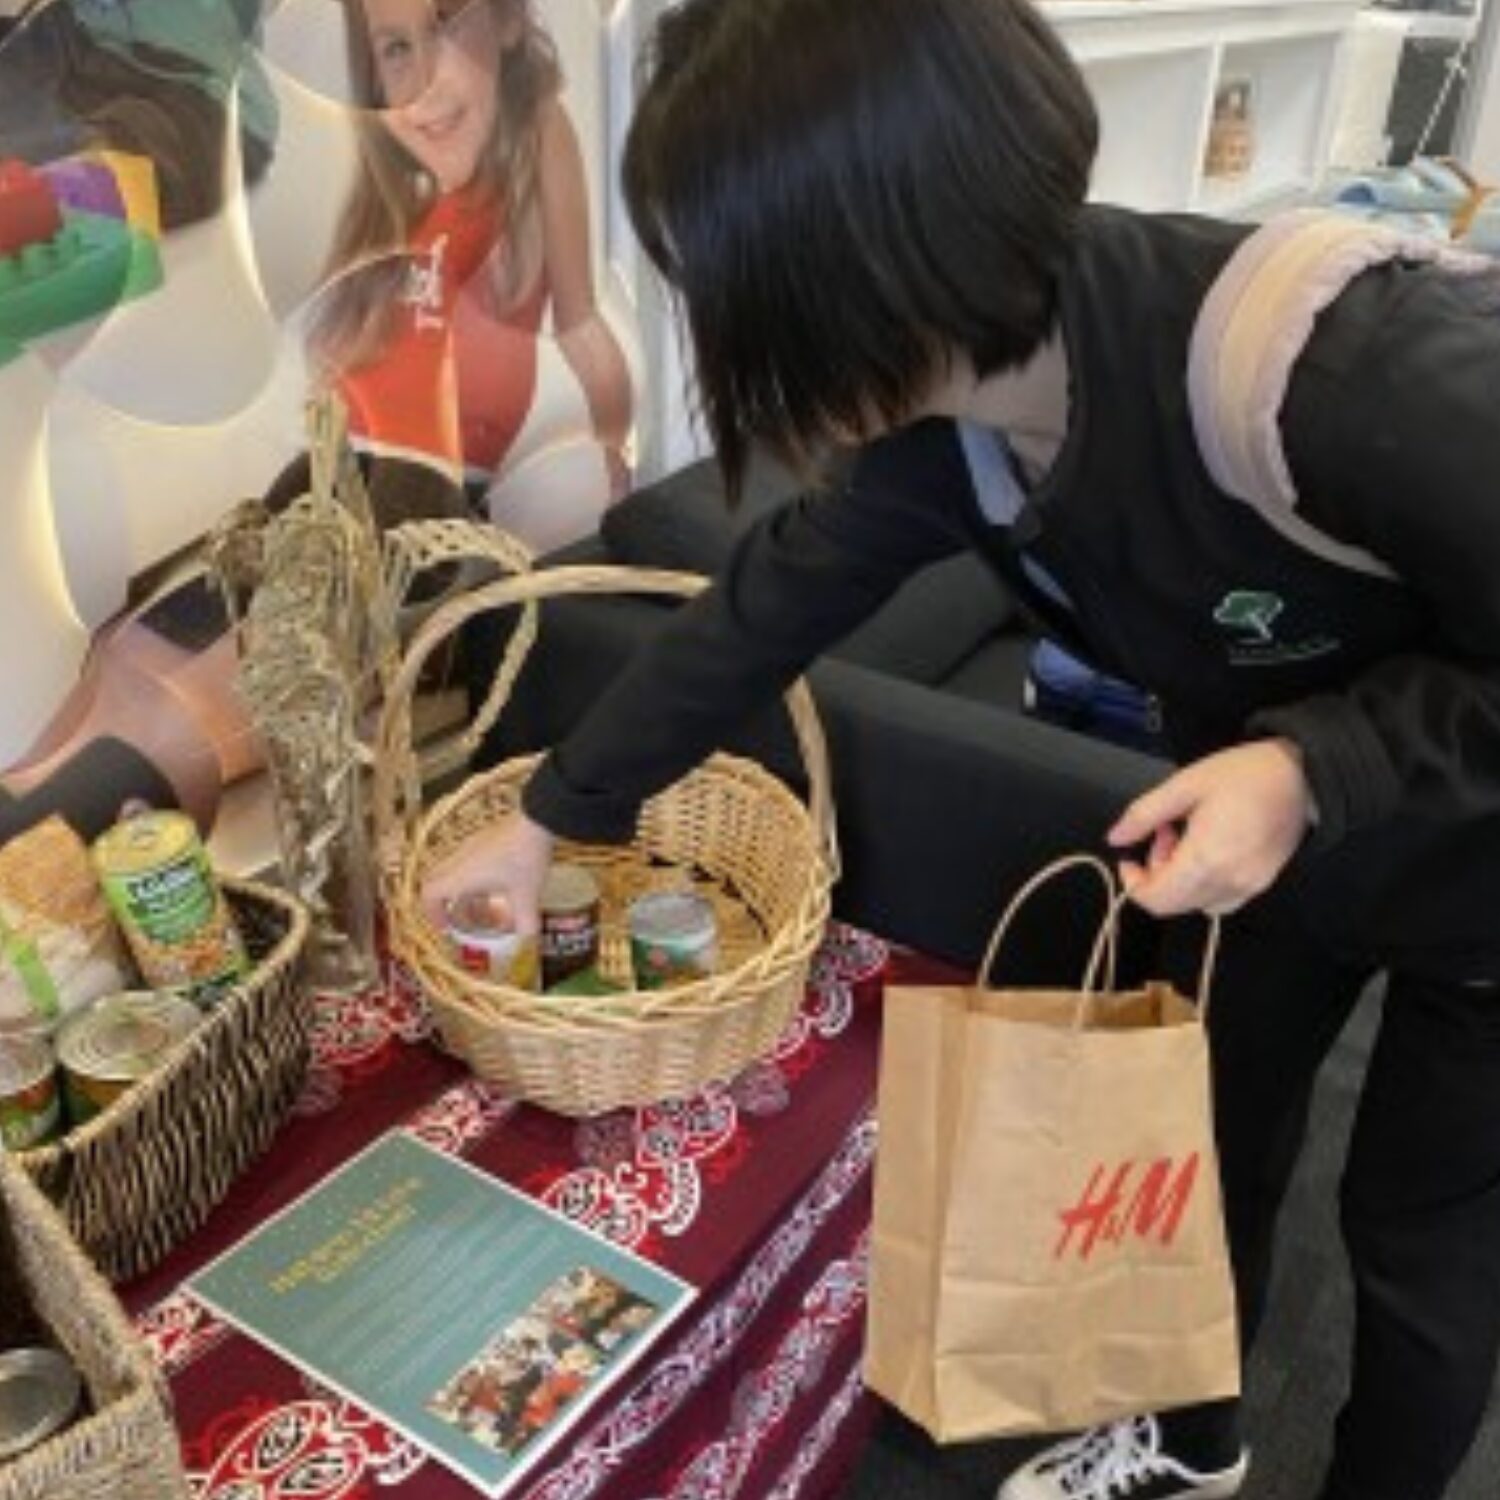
(755,1191)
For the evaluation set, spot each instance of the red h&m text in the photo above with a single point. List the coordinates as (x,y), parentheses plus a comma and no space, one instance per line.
(1128,1201)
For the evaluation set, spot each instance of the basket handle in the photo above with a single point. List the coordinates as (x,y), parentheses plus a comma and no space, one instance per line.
(415,547)
(397,799)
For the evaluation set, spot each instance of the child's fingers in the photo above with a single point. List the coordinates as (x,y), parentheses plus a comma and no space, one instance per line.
(1168,888)
(1163,846)
(1182,881)
(1164,805)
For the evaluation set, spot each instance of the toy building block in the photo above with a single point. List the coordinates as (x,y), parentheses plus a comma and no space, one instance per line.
(62,264)
(80,183)
(135,178)
(29,214)
(93,263)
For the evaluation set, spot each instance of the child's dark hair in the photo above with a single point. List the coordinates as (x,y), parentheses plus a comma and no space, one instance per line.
(841,192)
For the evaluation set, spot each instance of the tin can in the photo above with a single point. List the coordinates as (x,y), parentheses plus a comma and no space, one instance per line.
(30,1106)
(39,1392)
(674,939)
(482,933)
(115,1043)
(161,888)
(570,924)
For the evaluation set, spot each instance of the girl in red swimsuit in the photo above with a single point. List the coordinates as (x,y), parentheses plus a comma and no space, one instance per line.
(468,226)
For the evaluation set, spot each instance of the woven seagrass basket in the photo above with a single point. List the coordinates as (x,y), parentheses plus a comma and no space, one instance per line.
(125,1448)
(730,830)
(139,1178)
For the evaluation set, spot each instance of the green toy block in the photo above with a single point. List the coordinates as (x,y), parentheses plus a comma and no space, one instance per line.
(92,264)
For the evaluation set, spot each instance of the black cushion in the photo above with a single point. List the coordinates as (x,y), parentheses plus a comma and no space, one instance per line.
(684,521)
(935,622)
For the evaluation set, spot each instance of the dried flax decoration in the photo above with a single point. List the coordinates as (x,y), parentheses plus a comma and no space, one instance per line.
(317,638)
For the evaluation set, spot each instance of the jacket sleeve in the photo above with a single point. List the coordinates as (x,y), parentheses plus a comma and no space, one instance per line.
(1401,456)
(798,582)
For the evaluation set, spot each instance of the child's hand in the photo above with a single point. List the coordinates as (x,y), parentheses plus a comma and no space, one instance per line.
(512,858)
(1220,830)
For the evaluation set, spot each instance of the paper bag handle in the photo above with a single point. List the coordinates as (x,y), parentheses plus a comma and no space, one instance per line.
(1106,945)
(1210,964)
(1206,970)
(1105,952)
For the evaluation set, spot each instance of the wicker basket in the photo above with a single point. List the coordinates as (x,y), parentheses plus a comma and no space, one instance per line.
(126,1448)
(729,829)
(139,1178)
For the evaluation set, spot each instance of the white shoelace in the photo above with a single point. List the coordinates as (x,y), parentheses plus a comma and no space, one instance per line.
(1110,1461)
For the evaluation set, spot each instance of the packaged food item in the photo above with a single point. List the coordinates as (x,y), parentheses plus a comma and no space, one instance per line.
(39,1391)
(59,947)
(157,878)
(482,933)
(674,939)
(586,982)
(570,924)
(30,1106)
(115,1043)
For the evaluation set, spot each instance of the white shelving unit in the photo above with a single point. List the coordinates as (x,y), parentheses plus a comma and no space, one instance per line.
(1479,137)
(1154,67)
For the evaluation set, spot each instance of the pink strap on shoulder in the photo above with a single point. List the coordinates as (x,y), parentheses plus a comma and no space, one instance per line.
(1252,327)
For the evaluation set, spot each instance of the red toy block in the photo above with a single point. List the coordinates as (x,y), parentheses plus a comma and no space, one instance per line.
(28,211)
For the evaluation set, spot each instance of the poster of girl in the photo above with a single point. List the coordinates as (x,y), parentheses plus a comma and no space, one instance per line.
(462,267)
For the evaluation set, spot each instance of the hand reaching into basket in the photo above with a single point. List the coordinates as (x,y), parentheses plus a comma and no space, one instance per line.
(511,858)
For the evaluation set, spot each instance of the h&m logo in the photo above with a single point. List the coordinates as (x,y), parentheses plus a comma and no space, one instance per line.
(1128,1201)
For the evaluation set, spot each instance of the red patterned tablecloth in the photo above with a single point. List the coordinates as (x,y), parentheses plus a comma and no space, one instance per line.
(757,1192)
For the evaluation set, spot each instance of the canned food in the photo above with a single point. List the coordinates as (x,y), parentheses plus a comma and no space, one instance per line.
(570,924)
(482,933)
(115,1043)
(30,1106)
(39,1392)
(162,890)
(674,939)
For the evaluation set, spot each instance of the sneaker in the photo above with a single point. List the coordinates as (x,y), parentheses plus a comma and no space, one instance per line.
(1123,1461)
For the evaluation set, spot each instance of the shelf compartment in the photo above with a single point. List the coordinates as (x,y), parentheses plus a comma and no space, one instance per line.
(1289,93)
(1146,157)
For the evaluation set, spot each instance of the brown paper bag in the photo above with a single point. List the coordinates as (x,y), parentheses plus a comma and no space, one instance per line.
(1048,1249)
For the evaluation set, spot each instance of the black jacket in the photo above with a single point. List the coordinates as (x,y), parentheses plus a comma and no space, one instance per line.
(1392,689)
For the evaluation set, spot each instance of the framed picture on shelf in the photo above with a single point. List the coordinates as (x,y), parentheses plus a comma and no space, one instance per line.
(1231,131)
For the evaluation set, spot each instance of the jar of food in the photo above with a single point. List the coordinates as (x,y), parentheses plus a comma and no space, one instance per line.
(570,924)
(161,887)
(39,1393)
(30,1105)
(482,934)
(674,939)
(115,1043)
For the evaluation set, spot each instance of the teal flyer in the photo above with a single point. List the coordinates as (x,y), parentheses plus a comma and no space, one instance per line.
(457,1310)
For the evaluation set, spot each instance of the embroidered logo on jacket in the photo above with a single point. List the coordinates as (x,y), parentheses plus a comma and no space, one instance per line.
(1253,613)
(1250,616)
